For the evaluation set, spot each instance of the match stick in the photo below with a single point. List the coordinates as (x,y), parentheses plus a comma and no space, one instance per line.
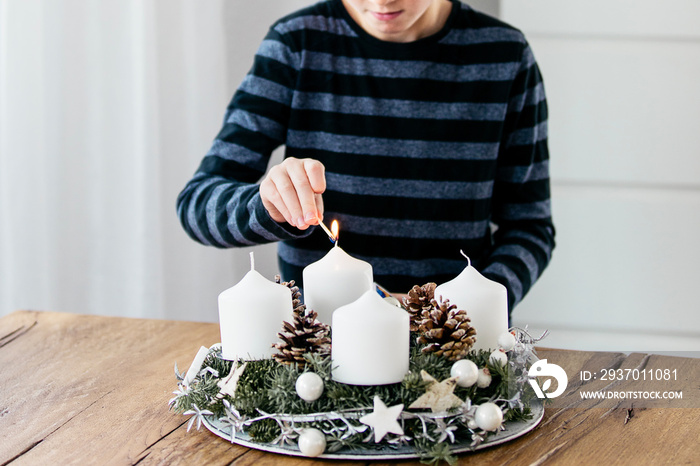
(328,232)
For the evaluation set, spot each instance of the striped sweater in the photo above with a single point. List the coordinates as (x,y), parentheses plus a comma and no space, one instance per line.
(430,147)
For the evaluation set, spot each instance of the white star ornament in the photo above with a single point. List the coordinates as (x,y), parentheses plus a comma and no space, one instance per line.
(383,420)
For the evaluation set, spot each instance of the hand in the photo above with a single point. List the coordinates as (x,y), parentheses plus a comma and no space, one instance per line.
(292,190)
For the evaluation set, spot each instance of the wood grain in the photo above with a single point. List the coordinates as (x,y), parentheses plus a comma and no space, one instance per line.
(77,389)
(76,386)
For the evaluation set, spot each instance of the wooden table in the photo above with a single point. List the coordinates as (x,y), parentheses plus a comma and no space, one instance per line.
(85,389)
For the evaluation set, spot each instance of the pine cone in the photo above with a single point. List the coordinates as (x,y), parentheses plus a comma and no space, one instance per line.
(305,334)
(419,300)
(446,331)
(297,306)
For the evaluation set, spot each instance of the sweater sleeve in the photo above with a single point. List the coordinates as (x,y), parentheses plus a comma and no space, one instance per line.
(524,239)
(221,206)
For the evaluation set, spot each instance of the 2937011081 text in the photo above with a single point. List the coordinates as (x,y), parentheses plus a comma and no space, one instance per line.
(612,375)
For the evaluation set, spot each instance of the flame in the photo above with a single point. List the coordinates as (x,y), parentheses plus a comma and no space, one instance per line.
(334,230)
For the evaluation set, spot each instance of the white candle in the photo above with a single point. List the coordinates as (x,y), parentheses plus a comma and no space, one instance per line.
(335,280)
(485,301)
(251,315)
(370,342)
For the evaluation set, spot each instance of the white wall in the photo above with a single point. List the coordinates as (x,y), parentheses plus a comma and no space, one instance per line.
(491,7)
(622,84)
(106,106)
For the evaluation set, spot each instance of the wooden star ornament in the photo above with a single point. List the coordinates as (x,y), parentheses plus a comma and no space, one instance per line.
(383,420)
(228,384)
(438,396)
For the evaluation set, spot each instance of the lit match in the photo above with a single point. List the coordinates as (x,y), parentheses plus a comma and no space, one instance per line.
(332,235)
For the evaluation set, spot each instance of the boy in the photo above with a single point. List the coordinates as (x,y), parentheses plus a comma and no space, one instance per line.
(420,124)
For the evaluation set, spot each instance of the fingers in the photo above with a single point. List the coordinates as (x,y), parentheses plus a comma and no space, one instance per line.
(319,206)
(292,190)
(316,173)
(300,197)
(272,201)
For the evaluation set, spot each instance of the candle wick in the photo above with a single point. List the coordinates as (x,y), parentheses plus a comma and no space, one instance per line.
(469,262)
(252,261)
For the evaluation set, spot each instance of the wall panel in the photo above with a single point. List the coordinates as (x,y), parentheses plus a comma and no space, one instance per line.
(626,260)
(621,79)
(622,110)
(646,19)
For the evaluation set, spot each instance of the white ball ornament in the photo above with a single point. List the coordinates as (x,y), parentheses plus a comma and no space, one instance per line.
(488,416)
(309,386)
(484,379)
(506,341)
(498,356)
(466,372)
(312,442)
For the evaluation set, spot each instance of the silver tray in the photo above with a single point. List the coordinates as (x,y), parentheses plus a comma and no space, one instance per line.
(513,430)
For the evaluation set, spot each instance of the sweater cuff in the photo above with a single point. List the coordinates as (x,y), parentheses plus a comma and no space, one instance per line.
(269,228)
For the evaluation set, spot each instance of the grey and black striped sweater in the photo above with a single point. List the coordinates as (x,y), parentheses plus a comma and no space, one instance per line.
(430,147)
